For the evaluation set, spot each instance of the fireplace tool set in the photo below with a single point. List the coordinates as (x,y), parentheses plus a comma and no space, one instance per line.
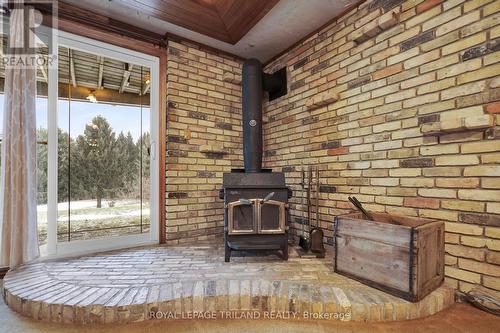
(313,239)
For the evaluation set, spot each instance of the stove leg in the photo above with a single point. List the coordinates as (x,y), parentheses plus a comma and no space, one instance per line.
(227,253)
(285,250)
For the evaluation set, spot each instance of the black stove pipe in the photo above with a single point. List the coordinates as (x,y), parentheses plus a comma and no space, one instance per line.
(251,83)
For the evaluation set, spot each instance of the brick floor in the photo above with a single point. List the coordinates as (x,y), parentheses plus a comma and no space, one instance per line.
(129,285)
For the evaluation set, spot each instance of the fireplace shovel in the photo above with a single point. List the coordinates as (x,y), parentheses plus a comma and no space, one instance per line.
(316,233)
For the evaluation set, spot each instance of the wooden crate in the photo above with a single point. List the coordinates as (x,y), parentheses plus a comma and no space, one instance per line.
(403,256)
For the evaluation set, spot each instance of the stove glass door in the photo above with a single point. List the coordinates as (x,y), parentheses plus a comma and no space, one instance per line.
(241,217)
(272,217)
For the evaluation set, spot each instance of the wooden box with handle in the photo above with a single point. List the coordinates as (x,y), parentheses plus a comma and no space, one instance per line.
(403,256)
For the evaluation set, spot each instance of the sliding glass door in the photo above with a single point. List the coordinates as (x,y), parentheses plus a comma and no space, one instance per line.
(104,147)
(100,146)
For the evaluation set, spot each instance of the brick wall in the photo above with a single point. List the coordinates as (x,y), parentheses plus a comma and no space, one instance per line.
(412,130)
(203,138)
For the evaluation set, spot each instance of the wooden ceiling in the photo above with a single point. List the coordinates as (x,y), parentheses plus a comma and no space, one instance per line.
(225,20)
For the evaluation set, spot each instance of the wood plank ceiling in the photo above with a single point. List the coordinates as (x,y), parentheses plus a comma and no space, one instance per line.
(225,20)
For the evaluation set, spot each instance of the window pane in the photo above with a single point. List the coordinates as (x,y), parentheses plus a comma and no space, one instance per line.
(42,145)
(41,155)
(104,146)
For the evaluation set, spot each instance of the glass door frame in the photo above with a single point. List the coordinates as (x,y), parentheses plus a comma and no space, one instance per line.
(53,248)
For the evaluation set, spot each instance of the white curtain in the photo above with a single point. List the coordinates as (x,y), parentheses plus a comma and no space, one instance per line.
(19,243)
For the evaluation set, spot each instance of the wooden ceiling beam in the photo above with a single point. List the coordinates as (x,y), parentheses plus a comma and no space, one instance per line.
(104,96)
(101,72)
(44,73)
(126,77)
(146,87)
(72,68)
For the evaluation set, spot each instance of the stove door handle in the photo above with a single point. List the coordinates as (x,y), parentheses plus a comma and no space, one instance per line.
(244,201)
(268,197)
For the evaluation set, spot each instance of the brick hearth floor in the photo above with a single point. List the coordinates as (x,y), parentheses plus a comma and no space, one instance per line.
(186,281)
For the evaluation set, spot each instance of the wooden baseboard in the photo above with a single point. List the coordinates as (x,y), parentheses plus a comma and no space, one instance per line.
(3,271)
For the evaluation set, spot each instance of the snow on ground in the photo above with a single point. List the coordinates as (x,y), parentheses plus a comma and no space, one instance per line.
(94,217)
(81,204)
(91,204)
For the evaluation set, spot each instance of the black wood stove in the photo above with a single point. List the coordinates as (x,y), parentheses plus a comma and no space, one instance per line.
(255,199)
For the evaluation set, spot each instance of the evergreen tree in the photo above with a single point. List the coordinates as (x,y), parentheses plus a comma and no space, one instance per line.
(145,151)
(129,155)
(97,158)
(97,164)
(64,146)
(41,163)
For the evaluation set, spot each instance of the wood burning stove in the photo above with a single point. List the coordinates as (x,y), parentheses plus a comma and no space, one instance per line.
(255,199)
(252,221)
